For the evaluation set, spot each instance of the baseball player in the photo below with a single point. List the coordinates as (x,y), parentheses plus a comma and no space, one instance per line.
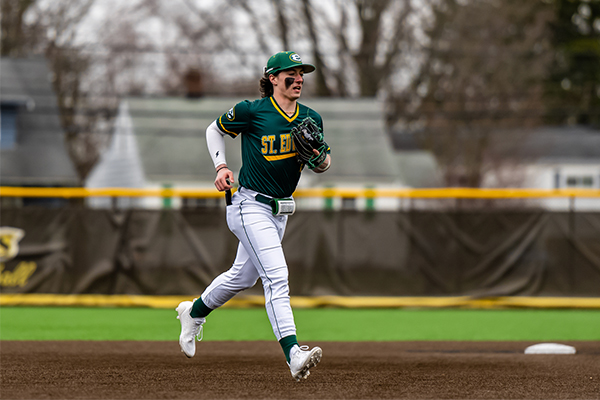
(272,161)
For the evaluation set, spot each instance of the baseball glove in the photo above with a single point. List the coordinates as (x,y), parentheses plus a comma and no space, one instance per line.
(307,136)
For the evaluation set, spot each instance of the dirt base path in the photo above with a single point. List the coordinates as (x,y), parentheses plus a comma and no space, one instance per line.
(257,370)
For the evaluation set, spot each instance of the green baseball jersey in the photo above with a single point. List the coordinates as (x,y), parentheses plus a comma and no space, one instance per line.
(269,162)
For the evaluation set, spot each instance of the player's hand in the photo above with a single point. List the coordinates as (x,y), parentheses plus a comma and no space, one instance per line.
(325,165)
(224,179)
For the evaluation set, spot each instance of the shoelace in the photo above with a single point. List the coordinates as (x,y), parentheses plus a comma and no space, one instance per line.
(300,348)
(200,334)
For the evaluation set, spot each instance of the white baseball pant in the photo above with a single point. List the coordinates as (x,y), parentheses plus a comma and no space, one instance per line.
(259,254)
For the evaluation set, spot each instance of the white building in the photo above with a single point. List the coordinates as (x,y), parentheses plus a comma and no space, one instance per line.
(551,158)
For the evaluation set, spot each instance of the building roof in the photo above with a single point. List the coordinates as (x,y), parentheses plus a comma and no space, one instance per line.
(557,144)
(170,134)
(550,144)
(39,157)
(360,148)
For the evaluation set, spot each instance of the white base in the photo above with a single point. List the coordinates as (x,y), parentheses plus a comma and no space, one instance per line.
(550,348)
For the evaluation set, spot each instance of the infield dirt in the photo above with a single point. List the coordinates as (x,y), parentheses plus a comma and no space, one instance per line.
(257,370)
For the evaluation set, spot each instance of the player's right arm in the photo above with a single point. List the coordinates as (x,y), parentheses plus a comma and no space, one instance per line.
(215,142)
(232,123)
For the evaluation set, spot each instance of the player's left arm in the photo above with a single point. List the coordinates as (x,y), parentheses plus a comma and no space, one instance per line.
(327,163)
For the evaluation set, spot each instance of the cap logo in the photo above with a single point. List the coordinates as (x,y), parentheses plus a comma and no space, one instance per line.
(295,58)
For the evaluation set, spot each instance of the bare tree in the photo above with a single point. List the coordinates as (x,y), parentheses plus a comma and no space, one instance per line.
(453,70)
(50,29)
(482,72)
(355,45)
(16,36)
(194,44)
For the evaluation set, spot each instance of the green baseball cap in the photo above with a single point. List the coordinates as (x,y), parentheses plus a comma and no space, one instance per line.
(286,60)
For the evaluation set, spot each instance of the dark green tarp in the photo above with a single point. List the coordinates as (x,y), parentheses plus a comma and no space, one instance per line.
(416,253)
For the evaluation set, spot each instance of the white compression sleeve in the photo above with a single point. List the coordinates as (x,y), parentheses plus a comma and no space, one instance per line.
(216,144)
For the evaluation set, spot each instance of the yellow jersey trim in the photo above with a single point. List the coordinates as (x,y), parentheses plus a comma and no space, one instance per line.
(289,119)
(224,129)
(280,157)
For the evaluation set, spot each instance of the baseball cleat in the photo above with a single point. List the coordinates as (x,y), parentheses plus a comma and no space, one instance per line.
(191,328)
(302,360)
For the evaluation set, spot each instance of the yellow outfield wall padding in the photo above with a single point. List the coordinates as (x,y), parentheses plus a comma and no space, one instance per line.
(93,300)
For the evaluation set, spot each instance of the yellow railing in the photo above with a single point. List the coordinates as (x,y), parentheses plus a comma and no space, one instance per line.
(467,193)
(470,193)
(106,192)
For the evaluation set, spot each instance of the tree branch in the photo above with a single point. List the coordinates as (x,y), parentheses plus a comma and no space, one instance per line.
(322,87)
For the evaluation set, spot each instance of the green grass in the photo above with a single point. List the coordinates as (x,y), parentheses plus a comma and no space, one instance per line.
(65,323)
